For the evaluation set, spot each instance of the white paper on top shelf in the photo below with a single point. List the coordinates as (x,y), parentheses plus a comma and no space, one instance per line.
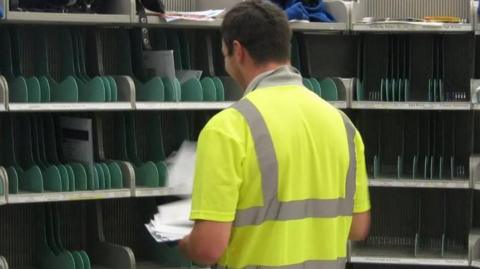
(206,15)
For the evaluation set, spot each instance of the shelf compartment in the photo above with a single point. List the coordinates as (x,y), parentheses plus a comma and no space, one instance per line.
(414,72)
(425,149)
(46,71)
(126,90)
(139,138)
(113,12)
(416,227)
(339,9)
(411,9)
(38,171)
(124,224)
(71,227)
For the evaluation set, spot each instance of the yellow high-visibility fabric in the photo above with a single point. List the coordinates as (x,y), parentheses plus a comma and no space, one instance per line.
(310,142)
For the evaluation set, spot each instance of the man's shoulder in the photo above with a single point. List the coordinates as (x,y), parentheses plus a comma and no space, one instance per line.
(226,120)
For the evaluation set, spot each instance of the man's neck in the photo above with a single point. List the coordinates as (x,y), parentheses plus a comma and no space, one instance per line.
(253,72)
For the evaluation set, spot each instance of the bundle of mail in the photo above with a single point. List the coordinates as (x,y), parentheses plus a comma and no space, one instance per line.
(171,223)
(206,15)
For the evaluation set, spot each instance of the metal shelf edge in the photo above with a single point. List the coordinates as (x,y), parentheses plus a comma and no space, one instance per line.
(69,106)
(475,264)
(181,105)
(153,192)
(390,27)
(155,20)
(411,261)
(476,106)
(318,26)
(17,16)
(215,24)
(416,183)
(67,196)
(411,105)
(339,104)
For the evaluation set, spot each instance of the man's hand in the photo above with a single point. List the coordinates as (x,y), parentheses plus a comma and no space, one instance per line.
(207,241)
(183,245)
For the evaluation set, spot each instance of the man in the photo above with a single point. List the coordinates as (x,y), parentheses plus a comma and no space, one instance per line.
(280,177)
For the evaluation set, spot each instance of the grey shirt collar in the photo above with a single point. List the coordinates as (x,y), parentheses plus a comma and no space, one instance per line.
(280,76)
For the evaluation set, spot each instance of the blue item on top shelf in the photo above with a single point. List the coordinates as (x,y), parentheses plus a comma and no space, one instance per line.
(1,12)
(301,10)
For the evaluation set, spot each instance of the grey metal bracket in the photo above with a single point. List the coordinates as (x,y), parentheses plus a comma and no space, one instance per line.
(474,248)
(4,182)
(129,176)
(475,93)
(3,263)
(108,254)
(126,90)
(3,93)
(474,163)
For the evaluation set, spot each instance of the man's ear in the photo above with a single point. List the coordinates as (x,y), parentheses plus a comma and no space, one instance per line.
(238,51)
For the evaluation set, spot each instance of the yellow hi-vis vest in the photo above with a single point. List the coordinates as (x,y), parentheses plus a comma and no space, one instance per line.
(289,165)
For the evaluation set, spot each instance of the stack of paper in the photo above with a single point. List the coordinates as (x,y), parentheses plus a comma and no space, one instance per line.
(206,15)
(171,223)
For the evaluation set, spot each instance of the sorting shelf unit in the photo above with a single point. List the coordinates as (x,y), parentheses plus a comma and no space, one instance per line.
(421,152)
(45,71)
(132,215)
(424,149)
(64,235)
(141,139)
(417,227)
(338,9)
(414,72)
(110,12)
(331,76)
(36,172)
(401,13)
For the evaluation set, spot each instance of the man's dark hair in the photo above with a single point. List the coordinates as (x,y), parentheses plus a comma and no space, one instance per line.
(261,27)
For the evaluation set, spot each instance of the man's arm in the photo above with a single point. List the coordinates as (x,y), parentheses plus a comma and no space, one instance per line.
(207,241)
(361,211)
(360,226)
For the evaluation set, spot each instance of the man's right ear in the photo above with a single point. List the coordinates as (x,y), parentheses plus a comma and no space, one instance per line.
(238,50)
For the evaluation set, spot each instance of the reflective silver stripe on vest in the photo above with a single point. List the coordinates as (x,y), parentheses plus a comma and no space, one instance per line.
(336,264)
(273,209)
